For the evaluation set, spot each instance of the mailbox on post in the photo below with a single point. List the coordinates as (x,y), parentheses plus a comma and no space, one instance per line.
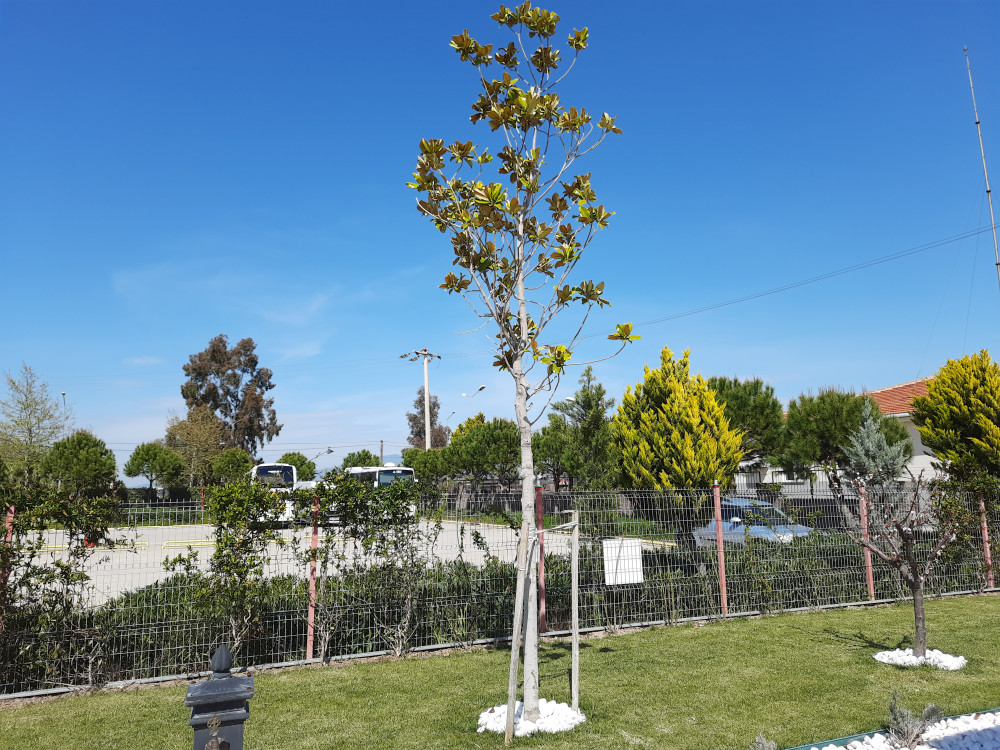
(219,706)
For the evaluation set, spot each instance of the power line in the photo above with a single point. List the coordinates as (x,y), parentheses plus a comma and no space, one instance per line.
(813,279)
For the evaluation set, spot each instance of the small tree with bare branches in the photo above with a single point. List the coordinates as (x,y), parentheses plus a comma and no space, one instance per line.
(908,529)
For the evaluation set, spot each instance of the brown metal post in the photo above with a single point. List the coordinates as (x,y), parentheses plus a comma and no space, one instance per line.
(717,496)
(313,545)
(5,562)
(986,542)
(540,525)
(869,573)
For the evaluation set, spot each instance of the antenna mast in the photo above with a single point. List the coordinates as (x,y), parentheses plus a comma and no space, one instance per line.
(989,195)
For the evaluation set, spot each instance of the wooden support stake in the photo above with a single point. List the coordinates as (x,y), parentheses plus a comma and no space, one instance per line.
(869,572)
(540,526)
(986,542)
(575,604)
(313,545)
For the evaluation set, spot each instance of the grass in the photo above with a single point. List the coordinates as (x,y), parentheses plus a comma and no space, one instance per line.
(798,678)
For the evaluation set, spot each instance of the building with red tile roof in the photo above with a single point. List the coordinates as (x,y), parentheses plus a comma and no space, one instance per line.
(897,400)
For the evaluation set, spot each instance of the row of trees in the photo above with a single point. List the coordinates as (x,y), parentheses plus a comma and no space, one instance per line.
(675,429)
(228,418)
(39,448)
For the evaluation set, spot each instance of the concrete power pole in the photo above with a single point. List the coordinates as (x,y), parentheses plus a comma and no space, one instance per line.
(413,357)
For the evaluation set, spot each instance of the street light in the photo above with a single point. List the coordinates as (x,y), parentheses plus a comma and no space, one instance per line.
(322,453)
(473,395)
(413,357)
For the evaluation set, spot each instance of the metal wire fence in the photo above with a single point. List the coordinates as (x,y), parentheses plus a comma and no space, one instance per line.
(156,600)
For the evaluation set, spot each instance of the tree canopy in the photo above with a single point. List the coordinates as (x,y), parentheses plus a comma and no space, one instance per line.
(199,438)
(415,421)
(81,463)
(671,433)
(304,468)
(363,457)
(490,450)
(231,384)
(870,458)
(157,463)
(588,455)
(818,428)
(31,420)
(431,467)
(553,447)
(752,408)
(959,418)
(232,465)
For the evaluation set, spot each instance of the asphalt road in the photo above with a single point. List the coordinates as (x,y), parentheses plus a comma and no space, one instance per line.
(140,563)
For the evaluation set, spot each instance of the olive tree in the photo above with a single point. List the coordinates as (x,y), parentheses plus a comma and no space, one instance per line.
(518,226)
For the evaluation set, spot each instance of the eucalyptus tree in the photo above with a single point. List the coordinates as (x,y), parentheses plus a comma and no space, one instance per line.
(230,382)
(518,226)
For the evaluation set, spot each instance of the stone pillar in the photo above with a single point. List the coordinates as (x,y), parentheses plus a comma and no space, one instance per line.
(219,706)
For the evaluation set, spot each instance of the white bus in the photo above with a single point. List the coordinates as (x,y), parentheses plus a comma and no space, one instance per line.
(380,476)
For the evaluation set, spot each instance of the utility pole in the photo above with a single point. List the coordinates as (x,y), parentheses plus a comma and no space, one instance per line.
(413,357)
(982,151)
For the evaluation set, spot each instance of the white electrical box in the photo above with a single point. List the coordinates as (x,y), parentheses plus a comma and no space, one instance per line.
(622,561)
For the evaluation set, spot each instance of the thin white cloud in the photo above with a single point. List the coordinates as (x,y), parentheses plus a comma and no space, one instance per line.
(295,313)
(143,360)
(304,350)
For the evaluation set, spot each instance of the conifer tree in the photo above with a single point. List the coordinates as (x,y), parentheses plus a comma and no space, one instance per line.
(672,434)
(959,418)
(870,457)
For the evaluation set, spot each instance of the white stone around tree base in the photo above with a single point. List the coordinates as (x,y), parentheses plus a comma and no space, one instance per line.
(905,658)
(552,717)
(972,732)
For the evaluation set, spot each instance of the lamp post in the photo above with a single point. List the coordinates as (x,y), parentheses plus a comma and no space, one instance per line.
(473,395)
(413,357)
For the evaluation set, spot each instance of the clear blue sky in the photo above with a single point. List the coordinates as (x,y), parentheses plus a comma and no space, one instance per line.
(174,170)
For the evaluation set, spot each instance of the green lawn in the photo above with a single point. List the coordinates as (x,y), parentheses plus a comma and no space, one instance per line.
(798,678)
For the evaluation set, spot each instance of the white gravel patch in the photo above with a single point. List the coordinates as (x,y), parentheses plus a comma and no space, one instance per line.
(971,732)
(935,658)
(552,717)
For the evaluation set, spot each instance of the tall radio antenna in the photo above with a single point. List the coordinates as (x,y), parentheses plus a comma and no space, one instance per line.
(982,151)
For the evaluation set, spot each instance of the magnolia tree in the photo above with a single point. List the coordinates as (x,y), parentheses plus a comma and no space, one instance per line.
(518,226)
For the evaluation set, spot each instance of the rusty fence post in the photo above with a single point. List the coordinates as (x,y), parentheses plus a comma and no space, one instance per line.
(717,497)
(869,572)
(5,561)
(986,542)
(313,545)
(540,526)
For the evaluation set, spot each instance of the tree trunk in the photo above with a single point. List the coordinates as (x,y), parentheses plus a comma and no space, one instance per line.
(530,571)
(919,617)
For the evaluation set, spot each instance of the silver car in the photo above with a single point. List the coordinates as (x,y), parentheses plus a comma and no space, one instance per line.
(746,518)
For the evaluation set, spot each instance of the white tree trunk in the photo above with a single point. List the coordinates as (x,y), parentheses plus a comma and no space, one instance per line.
(530,571)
